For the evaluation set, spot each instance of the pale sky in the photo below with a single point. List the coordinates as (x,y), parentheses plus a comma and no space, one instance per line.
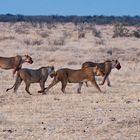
(71,7)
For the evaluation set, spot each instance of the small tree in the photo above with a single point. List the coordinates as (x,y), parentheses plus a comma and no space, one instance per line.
(120,31)
(96,32)
(136,33)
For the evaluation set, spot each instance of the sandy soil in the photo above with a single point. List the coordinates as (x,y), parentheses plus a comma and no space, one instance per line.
(90,115)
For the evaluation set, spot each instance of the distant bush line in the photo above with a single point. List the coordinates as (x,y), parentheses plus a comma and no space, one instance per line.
(99,20)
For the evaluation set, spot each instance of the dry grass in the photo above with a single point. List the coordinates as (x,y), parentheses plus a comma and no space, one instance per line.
(114,115)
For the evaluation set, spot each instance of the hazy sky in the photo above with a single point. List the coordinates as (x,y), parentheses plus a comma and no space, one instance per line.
(70,7)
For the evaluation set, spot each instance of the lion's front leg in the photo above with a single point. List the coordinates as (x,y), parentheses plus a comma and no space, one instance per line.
(14,71)
(42,85)
(105,77)
(80,86)
(108,82)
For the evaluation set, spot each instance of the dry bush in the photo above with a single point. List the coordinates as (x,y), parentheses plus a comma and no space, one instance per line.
(21,31)
(3,38)
(44,34)
(88,26)
(66,34)
(58,42)
(81,34)
(51,60)
(34,24)
(25,25)
(99,41)
(96,32)
(136,33)
(50,26)
(33,42)
(81,31)
(22,28)
(37,24)
(72,63)
(51,49)
(120,31)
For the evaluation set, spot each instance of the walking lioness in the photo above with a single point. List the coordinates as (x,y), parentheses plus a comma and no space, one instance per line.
(14,63)
(105,67)
(32,76)
(66,75)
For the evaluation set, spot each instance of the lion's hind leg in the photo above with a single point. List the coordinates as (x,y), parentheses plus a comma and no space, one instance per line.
(54,82)
(18,83)
(64,84)
(27,87)
(80,86)
(94,83)
(108,82)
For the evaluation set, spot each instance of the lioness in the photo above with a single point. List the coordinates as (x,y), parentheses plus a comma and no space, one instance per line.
(105,67)
(14,63)
(66,75)
(32,76)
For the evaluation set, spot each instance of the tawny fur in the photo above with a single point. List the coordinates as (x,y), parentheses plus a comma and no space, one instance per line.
(66,75)
(32,76)
(105,67)
(14,63)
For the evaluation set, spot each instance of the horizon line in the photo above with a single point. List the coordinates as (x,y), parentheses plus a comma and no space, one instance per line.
(70,15)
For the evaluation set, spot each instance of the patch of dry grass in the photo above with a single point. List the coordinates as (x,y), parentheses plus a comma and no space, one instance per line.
(89,115)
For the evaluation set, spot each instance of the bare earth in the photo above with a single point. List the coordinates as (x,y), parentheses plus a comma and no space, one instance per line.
(114,115)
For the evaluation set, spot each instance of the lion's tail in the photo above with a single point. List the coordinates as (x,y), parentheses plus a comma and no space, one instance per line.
(18,79)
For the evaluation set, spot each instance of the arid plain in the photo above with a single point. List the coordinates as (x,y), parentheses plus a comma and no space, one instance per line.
(113,115)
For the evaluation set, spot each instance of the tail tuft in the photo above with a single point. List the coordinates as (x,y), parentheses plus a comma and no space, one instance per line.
(7,89)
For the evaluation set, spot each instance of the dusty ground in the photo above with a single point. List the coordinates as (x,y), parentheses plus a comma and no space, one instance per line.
(90,115)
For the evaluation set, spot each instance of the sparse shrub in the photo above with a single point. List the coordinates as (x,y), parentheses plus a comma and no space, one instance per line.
(72,63)
(33,42)
(58,42)
(99,41)
(50,26)
(37,42)
(51,49)
(44,34)
(51,60)
(34,24)
(96,32)
(2,38)
(120,31)
(81,31)
(21,31)
(27,42)
(81,34)
(66,34)
(40,24)
(25,25)
(22,28)
(136,33)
